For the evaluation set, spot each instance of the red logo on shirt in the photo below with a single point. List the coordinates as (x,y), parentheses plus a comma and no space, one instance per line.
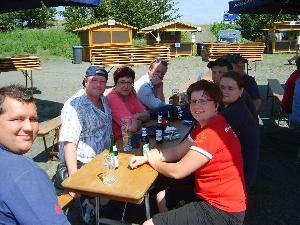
(57,208)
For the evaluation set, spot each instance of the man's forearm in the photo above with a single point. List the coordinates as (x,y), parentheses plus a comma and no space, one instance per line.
(70,157)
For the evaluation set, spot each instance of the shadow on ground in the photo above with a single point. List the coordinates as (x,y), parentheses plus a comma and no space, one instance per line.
(47,109)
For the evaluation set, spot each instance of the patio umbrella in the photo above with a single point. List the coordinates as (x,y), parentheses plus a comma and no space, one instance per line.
(15,5)
(265,6)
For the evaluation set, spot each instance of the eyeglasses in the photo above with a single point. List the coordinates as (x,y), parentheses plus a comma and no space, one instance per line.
(200,101)
(124,83)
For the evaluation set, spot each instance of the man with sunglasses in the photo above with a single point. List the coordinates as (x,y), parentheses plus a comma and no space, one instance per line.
(149,88)
(86,126)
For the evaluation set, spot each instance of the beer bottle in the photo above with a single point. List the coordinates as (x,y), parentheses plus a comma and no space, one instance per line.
(115,157)
(170,111)
(159,134)
(111,145)
(145,142)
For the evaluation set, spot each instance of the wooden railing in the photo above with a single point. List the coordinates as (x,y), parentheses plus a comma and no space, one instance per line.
(113,56)
(253,51)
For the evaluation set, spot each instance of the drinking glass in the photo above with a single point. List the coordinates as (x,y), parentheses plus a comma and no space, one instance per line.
(175,95)
(108,176)
(126,135)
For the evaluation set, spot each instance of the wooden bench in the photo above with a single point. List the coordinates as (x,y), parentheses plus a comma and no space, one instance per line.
(277,93)
(45,128)
(252,51)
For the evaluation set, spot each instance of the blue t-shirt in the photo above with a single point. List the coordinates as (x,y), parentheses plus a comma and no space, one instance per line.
(251,87)
(27,195)
(246,128)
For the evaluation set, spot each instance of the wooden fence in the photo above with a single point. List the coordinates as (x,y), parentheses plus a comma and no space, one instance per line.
(114,56)
(253,51)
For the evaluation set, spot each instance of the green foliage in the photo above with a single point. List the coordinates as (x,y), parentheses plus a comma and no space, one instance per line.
(76,17)
(139,42)
(34,18)
(185,37)
(45,42)
(216,27)
(138,13)
(251,24)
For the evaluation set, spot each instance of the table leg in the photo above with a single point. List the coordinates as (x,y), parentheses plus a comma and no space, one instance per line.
(147,206)
(97,210)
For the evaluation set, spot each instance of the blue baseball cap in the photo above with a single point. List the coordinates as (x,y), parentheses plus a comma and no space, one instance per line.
(234,58)
(96,71)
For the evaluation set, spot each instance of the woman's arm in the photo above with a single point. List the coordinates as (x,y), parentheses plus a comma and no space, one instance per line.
(169,155)
(188,164)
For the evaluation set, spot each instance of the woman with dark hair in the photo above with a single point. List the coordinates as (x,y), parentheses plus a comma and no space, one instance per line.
(212,153)
(124,102)
(237,114)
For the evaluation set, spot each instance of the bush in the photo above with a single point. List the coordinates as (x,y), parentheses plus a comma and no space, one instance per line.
(45,42)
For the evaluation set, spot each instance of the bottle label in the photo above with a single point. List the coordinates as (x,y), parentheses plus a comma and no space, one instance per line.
(158,135)
(116,161)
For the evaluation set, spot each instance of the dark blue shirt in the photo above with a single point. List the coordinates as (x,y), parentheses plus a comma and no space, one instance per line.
(27,195)
(251,87)
(246,128)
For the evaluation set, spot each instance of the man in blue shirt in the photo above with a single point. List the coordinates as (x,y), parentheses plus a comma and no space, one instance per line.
(27,195)
(149,88)
(238,64)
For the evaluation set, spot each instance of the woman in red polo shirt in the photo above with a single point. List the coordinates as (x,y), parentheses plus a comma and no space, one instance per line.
(213,153)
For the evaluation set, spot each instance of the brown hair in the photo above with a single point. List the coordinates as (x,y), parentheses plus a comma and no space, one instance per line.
(236,77)
(123,71)
(159,61)
(17,92)
(209,88)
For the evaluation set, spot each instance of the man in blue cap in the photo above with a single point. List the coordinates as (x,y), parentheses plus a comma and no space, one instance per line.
(86,126)
(238,64)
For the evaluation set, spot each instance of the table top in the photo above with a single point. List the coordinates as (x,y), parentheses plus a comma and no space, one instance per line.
(130,186)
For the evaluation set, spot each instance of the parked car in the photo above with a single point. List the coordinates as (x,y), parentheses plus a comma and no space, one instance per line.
(229,35)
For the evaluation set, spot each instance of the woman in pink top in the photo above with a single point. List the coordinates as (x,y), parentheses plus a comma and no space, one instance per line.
(123,102)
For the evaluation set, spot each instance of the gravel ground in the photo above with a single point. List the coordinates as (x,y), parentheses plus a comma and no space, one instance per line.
(274,197)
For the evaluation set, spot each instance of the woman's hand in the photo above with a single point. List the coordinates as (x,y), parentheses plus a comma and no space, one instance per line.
(136,161)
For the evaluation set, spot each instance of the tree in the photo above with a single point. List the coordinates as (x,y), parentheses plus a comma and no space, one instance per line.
(36,18)
(251,24)
(33,18)
(216,27)
(138,13)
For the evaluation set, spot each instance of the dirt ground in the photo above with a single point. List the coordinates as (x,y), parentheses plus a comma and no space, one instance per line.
(275,196)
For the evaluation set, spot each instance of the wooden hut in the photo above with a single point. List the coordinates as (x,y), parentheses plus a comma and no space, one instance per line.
(282,36)
(169,33)
(104,34)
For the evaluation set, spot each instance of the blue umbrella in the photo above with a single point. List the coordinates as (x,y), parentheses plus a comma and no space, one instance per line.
(15,5)
(265,6)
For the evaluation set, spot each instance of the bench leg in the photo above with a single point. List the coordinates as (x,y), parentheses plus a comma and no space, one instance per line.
(45,143)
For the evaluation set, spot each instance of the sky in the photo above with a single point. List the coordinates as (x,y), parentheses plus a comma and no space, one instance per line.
(199,12)
(202,11)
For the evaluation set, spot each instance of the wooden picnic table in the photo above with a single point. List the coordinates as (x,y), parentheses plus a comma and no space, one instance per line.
(131,186)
